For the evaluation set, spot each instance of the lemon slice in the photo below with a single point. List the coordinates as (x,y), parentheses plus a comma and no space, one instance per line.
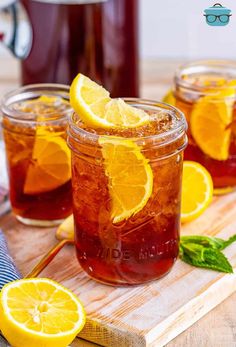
(197,190)
(96,109)
(39,312)
(209,122)
(130,176)
(50,166)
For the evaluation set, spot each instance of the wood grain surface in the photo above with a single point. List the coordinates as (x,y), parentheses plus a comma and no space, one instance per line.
(141,316)
(217,328)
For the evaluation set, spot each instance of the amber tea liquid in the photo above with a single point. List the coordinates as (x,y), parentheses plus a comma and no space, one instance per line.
(38,157)
(99,39)
(209,88)
(145,246)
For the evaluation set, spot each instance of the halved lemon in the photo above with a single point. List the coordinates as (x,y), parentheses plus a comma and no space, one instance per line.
(130,176)
(96,109)
(50,166)
(39,312)
(197,190)
(209,122)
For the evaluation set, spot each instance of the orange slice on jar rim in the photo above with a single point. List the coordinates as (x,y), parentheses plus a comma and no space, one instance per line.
(50,165)
(210,123)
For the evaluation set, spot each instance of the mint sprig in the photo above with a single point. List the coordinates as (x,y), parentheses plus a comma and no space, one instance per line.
(206,252)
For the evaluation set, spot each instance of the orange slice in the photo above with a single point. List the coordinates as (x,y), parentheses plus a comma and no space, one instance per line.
(197,190)
(130,176)
(50,166)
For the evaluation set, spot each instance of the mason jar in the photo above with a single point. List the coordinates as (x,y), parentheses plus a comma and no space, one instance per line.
(126,195)
(206,92)
(39,161)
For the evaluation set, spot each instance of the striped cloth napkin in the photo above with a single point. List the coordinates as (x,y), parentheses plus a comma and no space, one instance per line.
(8,270)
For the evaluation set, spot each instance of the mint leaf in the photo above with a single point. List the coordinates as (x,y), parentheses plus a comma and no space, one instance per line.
(205,251)
(193,250)
(205,257)
(206,241)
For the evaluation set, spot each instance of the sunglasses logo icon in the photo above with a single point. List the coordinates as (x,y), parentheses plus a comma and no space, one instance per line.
(217,15)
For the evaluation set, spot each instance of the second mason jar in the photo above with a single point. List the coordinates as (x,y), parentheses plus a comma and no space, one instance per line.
(39,166)
(126,194)
(206,92)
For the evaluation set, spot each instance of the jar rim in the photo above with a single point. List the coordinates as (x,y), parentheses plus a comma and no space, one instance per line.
(31,91)
(203,66)
(180,129)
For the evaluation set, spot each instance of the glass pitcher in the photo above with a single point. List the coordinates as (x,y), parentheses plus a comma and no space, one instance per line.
(64,37)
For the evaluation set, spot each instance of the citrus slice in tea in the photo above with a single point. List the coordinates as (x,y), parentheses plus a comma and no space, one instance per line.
(197,190)
(40,312)
(50,166)
(97,110)
(130,176)
(209,123)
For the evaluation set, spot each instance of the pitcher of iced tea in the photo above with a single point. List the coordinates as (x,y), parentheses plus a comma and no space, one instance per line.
(63,37)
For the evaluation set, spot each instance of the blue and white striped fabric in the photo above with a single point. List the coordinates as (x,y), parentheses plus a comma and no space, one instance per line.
(8,270)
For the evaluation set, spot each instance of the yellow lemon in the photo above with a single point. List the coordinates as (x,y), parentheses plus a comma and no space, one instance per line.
(197,190)
(130,176)
(96,109)
(209,123)
(50,166)
(39,312)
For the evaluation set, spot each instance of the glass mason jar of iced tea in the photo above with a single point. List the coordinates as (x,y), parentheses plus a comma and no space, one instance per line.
(39,163)
(206,92)
(126,187)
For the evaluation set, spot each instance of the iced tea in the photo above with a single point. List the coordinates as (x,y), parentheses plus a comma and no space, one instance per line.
(206,93)
(144,245)
(34,127)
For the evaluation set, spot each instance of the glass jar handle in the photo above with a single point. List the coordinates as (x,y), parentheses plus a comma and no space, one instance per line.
(217,5)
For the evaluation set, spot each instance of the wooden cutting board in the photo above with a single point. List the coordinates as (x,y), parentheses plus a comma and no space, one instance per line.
(148,315)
